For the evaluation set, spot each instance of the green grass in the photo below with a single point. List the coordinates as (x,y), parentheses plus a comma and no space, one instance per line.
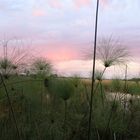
(40,110)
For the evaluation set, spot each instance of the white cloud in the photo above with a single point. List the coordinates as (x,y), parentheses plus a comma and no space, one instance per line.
(84,68)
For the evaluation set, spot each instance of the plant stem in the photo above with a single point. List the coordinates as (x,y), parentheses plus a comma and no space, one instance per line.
(110,115)
(102,94)
(11,107)
(125,91)
(93,71)
(65,119)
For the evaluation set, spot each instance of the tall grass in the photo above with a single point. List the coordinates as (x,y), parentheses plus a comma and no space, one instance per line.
(50,118)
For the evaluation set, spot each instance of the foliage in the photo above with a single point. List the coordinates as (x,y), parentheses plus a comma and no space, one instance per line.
(40,111)
(111,52)
(42,67)
(14,56)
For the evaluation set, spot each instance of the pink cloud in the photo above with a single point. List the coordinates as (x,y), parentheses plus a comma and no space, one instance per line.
(81,3)
(38,13)
(105,3)
(62,52)
(55,4)
(57,52)
(61,55)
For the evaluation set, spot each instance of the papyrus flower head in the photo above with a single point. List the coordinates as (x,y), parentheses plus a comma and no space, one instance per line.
(111,52)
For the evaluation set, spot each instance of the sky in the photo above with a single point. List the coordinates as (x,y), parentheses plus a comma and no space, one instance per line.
(62,30)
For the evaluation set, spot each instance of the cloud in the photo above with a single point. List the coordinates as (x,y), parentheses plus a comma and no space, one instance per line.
(55,4)
(10,5)
(72,67)
(82,3)
(38,13)
(105,3)
(62,53)
(3,6)
(81,23)
(84,68)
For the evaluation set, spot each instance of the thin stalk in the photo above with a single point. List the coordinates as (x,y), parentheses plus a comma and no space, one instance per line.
(98,135)
(37,131)
(41,86)
(93,71)
(102,94)
(114,135)
(99,81)
(125,91)
(95,90)
(87,97)
(11,107)
(110,116)
(125,88)
(65,120)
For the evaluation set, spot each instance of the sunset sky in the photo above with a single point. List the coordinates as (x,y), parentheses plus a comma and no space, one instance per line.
(61,30)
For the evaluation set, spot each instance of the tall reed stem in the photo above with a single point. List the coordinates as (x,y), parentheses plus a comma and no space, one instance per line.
(93,71)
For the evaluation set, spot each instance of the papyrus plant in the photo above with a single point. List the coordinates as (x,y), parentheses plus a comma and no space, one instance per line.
(62,88)
(110,52)
(42,67)
(13,57)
